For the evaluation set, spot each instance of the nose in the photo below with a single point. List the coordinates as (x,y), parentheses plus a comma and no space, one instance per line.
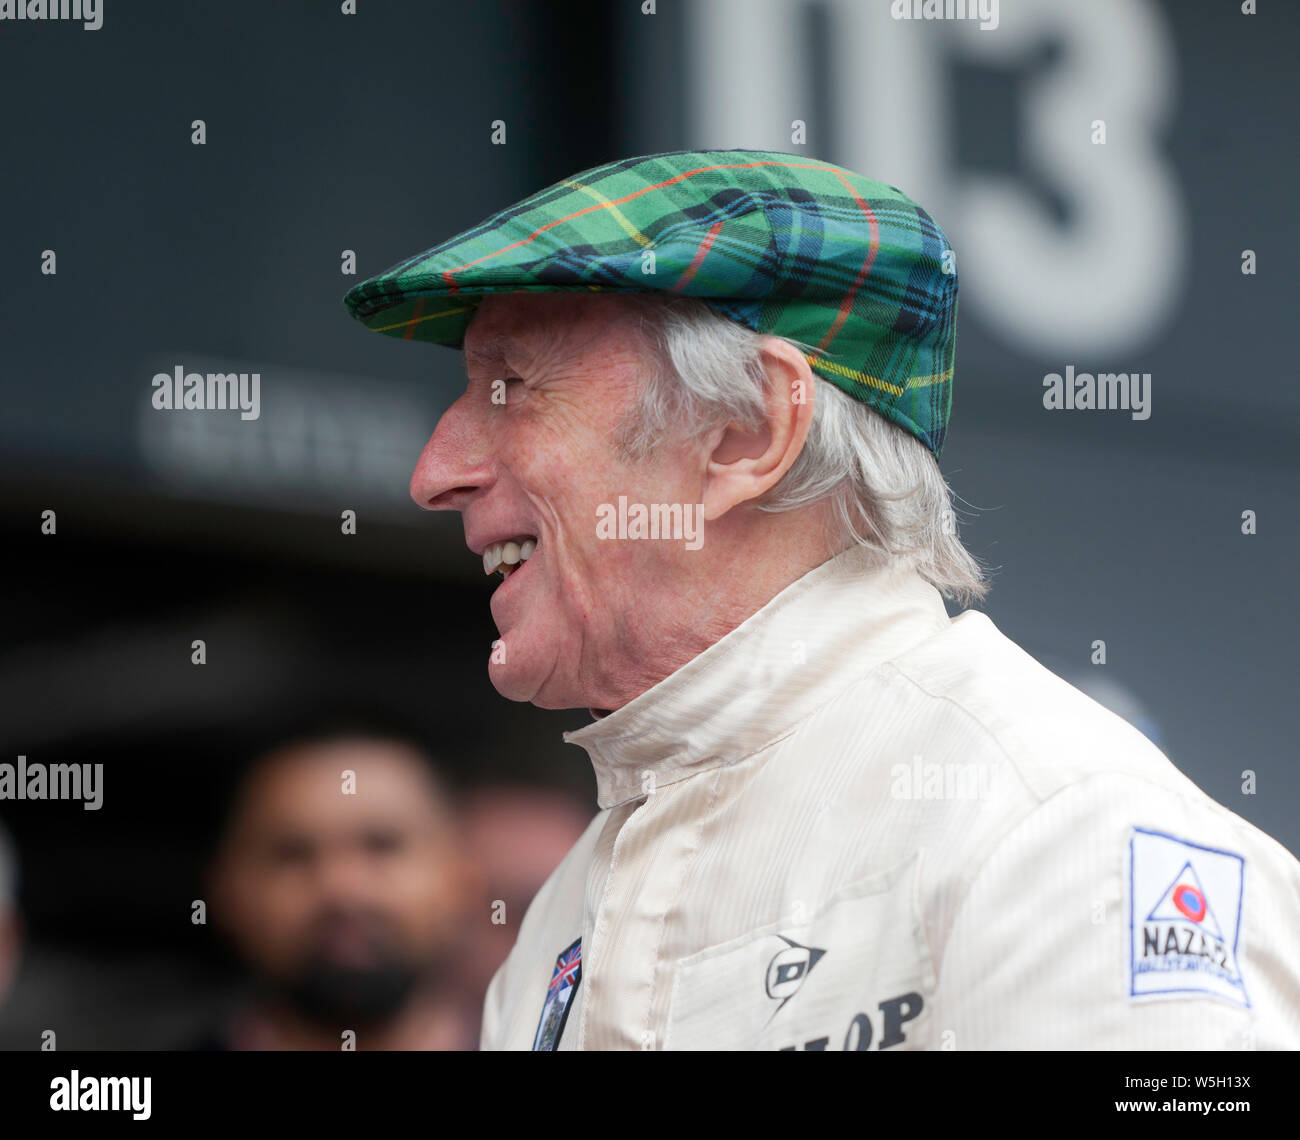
(345,874)
(455,464)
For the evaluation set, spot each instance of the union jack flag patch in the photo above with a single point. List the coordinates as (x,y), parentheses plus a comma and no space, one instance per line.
(559,996)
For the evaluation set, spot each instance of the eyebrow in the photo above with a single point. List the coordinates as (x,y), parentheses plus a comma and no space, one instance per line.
(488,350)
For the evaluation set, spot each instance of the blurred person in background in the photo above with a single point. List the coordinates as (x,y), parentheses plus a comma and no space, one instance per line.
(340,882)
(10,921)
(515,835)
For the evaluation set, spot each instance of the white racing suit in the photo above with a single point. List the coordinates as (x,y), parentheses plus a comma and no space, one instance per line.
(857,823)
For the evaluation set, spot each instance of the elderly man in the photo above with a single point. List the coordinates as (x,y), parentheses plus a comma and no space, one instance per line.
(706,395)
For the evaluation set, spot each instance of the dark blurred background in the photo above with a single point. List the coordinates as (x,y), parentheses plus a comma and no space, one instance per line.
(372,132)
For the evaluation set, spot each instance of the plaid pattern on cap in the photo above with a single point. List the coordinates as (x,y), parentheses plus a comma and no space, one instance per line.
(784,244)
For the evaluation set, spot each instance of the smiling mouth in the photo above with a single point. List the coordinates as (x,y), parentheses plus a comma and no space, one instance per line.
(505,558)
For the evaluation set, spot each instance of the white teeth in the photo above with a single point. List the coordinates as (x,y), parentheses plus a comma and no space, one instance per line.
(505,556)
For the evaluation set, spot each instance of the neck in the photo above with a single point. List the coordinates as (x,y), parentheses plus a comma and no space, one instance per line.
(750,561)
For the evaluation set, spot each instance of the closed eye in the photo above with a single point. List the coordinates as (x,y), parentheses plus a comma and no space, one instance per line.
(503,388)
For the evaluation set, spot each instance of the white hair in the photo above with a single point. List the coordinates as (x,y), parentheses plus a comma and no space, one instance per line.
(883,484)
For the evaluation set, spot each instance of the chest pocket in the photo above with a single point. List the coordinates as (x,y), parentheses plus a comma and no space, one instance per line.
(855,975)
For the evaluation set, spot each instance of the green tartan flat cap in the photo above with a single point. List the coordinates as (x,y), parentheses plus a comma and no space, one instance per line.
(854,270)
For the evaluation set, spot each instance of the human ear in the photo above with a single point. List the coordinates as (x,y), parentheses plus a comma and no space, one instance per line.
(747,461)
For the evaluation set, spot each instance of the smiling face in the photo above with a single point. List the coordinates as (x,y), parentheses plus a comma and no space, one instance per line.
(530,455)
(527,454)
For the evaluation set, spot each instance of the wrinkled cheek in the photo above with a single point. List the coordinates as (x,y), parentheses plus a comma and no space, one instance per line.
(573,602)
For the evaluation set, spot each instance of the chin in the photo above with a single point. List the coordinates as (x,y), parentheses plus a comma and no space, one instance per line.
(515,680)
(509,684)
(517,683)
